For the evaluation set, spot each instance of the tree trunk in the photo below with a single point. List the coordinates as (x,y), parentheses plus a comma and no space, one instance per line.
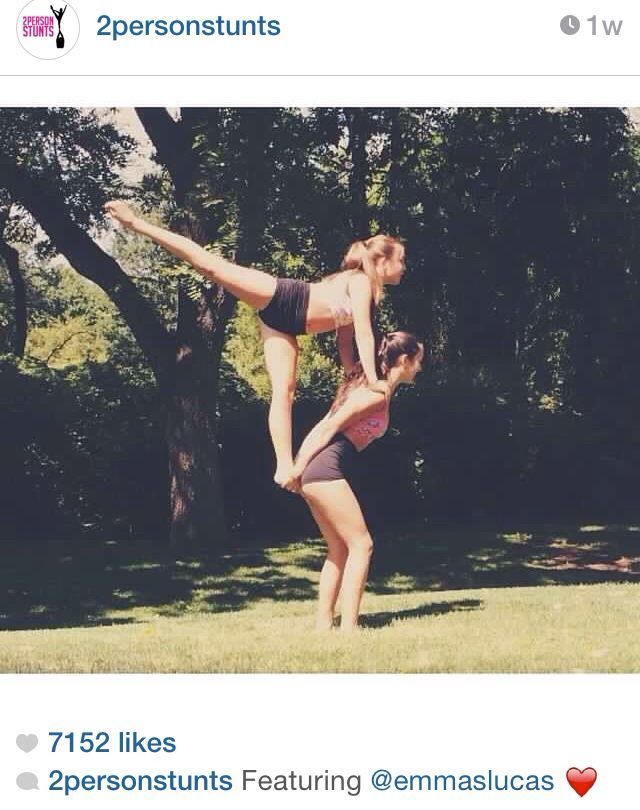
(358,135)
(196,499)
(596,275)
(196,491)
(12,260)
(255,133)
(394,179)
(196,494)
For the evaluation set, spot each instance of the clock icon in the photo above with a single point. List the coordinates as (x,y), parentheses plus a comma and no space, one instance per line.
(570,25)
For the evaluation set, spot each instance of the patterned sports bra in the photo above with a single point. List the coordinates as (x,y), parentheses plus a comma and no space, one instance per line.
(369,428)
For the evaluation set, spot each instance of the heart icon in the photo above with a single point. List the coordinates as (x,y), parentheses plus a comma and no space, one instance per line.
(26,742)
(581,781)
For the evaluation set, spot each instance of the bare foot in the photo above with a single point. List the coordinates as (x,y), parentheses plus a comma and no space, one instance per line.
(121,212)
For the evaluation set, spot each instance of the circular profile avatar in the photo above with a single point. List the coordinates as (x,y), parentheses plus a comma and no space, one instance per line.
(48,31)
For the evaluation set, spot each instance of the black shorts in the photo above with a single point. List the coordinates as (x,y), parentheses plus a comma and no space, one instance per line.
(337,460)
(287,310)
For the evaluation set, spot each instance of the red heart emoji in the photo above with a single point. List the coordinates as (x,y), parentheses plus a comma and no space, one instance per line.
(581,781)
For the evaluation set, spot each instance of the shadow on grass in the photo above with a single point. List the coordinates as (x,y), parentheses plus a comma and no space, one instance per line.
(97,587)
(378,620)
(455,558)
(103,585)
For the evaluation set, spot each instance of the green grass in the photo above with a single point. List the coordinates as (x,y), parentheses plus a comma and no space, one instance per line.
(521,599)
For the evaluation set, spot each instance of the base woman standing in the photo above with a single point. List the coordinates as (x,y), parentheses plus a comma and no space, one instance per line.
(325,462)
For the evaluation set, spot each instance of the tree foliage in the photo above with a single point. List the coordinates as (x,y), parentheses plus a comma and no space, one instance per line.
(521,227)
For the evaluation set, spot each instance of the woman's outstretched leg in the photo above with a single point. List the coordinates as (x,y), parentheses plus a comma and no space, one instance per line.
(342,514)
(333,568)
(280,357)
(254,287)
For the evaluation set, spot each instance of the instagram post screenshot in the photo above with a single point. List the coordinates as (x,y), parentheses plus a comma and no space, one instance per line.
(319,404)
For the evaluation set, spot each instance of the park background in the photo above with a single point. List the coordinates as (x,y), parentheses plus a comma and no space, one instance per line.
(139,518)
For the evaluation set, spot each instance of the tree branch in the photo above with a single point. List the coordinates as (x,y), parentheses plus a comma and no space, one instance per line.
(12,260)
(59,348)
(173,142)
(93,263)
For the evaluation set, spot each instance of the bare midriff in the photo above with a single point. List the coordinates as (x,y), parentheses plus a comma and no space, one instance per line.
(320,312)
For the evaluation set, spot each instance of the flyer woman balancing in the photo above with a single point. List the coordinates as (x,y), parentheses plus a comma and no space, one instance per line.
(344,301)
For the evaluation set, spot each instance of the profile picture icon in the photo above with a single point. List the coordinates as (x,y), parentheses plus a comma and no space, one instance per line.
(48,30)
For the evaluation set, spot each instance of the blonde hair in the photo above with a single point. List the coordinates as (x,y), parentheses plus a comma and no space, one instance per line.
(366,255)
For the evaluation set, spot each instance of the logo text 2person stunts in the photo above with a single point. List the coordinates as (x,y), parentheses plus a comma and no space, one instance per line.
(46,31)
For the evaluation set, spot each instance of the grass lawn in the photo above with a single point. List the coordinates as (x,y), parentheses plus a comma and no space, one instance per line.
(518,599)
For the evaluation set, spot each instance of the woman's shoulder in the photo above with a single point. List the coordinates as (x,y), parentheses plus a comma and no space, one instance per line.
(366,397)
(382,387)
(358,282)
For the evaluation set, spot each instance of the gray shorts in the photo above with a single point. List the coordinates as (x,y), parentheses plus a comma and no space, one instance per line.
(287,310)
(337,460)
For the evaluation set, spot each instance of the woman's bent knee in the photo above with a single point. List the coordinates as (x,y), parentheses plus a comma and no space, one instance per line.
(362,543)
(337,554)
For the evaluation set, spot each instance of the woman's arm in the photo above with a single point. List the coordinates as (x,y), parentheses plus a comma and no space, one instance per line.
(360,293)
(202,260)
(344,341)
(358,405)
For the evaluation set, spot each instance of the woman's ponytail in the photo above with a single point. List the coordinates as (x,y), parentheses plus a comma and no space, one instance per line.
(382,360)
(367,255)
